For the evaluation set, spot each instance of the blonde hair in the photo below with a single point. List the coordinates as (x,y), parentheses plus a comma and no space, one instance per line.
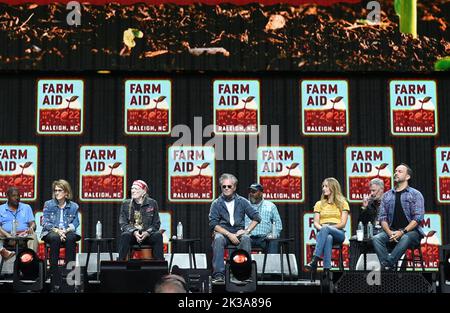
(336,196)
(64,185)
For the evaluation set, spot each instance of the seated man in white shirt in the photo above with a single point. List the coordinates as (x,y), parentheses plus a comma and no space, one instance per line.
(227,221)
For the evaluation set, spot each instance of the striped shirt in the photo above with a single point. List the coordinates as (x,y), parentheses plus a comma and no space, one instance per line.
(269,214)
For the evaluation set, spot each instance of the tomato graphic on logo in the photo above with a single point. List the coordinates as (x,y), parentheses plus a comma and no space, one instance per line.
(156,118)
(244,119)
(193,184)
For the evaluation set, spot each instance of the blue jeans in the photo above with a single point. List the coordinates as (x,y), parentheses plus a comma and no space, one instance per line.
(218,246)
(260,242)
(326,237)
(381,241)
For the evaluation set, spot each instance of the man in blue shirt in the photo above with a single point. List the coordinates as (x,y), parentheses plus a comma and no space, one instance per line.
(227,221)
(401,211)
(269,218)
(22,214)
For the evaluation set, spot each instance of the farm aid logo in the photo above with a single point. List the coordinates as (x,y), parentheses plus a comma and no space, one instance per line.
(281,172)
(18,167)
(325,107)
(103,173)
(147,107)
(236,106)
(443,174)
(430,243)
(413,107)
(364,164)
(60,107)
(191,174)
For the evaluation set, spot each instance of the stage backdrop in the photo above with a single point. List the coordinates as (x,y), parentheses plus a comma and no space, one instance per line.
(100,157)
(223,35)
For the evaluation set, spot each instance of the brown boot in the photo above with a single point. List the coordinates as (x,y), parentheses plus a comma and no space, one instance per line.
(6,254)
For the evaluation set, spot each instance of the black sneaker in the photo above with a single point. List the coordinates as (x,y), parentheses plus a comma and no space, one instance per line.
(218,279)
(312,266)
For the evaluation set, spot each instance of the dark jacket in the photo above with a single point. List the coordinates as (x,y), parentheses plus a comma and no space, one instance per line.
(149,213)
(218,214)
(369,214)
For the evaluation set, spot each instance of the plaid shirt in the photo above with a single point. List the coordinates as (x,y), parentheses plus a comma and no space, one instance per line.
(269,214)
(412,204)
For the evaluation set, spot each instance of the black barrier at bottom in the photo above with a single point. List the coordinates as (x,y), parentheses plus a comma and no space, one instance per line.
(444,268)
(379,282)
(63,280)
(135,276)
(197,280)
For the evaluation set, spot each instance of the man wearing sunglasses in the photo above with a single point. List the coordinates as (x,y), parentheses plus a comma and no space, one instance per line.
(227,222)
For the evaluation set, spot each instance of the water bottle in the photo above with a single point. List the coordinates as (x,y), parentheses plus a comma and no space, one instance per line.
(360,226)
(98,230)
(14,228)
(360,232)
(274,230)
(179,231)
(369,230)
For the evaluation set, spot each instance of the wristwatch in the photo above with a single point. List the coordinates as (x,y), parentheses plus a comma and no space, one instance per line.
(404,230)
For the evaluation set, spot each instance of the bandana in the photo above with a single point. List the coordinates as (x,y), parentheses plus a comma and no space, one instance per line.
(141,184)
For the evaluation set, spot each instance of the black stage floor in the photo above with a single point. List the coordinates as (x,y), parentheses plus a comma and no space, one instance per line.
(299,286)
(339,282)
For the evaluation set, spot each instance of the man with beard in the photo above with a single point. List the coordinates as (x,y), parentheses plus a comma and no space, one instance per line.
(368,213)
(401,211)
(370,208)
(269,215)
(139,222)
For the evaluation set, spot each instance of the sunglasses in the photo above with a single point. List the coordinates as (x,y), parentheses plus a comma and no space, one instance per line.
(227,186)
(253,191)
(58,190)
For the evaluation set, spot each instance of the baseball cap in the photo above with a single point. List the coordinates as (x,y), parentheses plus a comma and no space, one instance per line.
(256,186)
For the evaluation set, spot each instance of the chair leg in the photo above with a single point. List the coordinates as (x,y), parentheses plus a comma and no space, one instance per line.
(264,265)
(288,262)
(313,275)
(281,263)
(1,266)
(421,259)
(46,255)
(341,259)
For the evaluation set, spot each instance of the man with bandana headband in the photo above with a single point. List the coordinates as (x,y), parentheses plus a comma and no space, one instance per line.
(139,222)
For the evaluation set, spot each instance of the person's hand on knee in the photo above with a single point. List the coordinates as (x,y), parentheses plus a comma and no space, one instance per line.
(234,239)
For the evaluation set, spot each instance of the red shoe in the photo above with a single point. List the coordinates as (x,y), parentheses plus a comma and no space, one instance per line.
(6,254)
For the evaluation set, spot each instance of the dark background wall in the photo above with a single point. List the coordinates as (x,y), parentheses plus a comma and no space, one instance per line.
(192,96)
